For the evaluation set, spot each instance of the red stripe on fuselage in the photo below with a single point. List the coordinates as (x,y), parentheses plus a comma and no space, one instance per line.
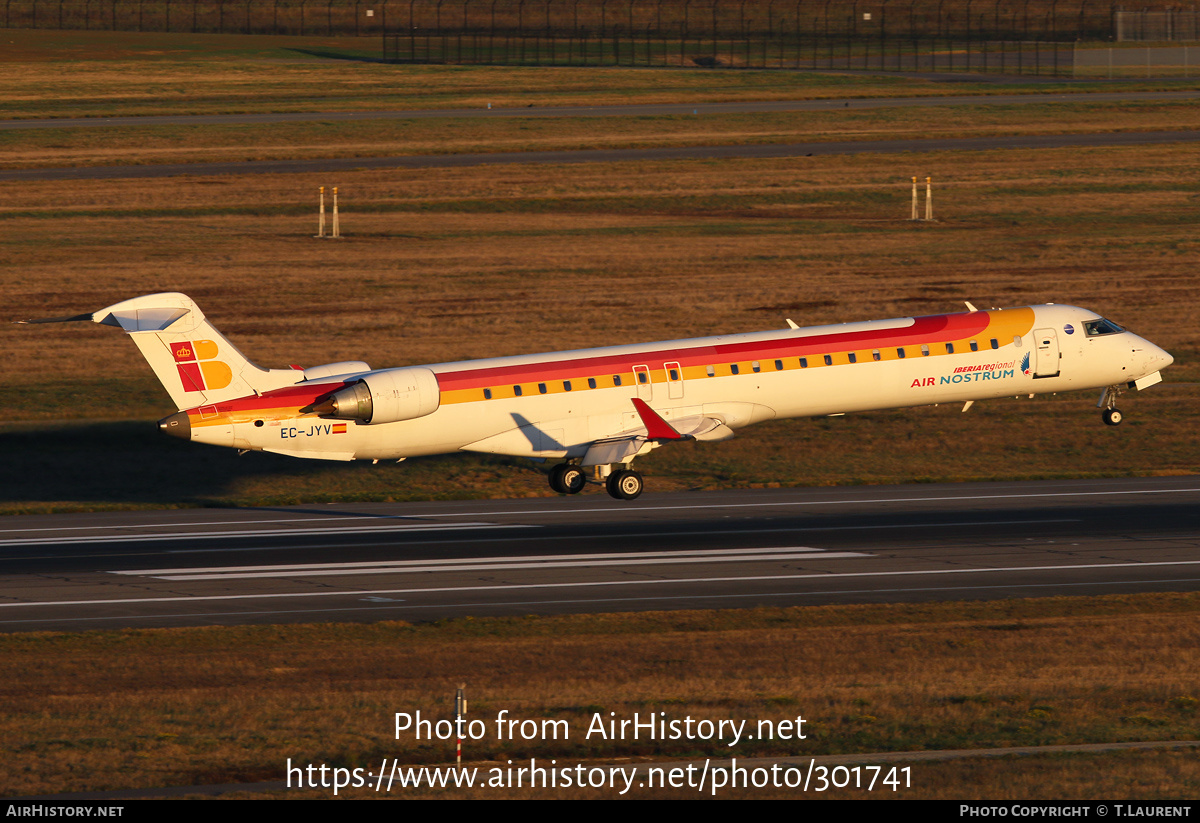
(932,329)
(290,398)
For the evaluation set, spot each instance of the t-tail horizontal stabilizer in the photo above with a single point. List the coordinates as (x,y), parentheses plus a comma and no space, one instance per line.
(196,364)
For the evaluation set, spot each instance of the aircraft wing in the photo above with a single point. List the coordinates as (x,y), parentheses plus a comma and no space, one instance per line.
(654,432)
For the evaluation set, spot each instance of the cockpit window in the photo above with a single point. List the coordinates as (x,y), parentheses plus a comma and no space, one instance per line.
(1096,328)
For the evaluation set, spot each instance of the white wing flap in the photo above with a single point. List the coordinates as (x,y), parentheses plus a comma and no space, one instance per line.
(625,446)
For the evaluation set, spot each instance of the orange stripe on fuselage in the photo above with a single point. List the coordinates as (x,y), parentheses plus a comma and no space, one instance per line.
(278,404)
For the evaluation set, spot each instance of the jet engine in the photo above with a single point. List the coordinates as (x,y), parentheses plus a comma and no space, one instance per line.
(384,397)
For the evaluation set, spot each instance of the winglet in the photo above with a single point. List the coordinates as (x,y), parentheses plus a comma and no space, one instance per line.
(656,427)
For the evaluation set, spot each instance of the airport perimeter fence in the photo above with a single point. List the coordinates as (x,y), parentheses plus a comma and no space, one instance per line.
(1026,37)
(757,20)
(713,50)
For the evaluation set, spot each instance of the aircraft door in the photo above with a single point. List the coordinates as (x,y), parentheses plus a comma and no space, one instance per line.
(674,380)
(641,376)
(1048,355)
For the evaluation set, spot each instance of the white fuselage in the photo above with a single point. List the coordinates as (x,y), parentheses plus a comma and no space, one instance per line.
(558,405)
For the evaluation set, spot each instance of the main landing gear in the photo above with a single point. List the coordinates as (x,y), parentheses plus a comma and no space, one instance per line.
(622,484)
(566,478)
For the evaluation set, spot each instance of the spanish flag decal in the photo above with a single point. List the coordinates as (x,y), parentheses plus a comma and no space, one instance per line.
(339,428)
(197,367)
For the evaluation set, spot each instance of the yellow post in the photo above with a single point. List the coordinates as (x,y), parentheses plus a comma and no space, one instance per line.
(336,230)
(321,218)
(914,203)
(928,198)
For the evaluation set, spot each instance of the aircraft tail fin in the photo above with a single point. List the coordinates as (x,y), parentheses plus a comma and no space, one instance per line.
(196,364)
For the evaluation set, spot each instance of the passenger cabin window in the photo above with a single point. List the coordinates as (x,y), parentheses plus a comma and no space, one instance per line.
(974,345)
(642,377)
(924,351)
(995,343)
(733,369)
(591,382)
(852,357)
(900,353)
(710,371)
(541,388)
(804,362)
(517,391)
(949,348)
(875,354)
(674,374)
(755,366)
(1098,328)
(616,379)
(829,360)
(778,365)
(1017,340)
(487,394)
(566,385)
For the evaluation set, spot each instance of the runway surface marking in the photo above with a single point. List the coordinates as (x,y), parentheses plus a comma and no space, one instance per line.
(591,584)
(417,516)
(561,561)
(608,600)
(274,522)
(784,503)
(141,538)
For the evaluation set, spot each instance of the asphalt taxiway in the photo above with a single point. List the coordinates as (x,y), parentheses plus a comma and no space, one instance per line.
(425,561)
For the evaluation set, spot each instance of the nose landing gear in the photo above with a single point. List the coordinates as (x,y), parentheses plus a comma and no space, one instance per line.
(1111,415)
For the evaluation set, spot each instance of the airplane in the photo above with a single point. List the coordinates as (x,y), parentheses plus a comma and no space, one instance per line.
(594,411)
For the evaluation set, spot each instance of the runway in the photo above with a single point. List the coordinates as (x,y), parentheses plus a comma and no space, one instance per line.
(426,561)
(632,110)
(689,152)
(753,151)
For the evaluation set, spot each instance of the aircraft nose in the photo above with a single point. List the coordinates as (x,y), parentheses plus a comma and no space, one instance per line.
(1160,358)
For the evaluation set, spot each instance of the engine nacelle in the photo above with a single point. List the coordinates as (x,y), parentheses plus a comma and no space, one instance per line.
(384,397)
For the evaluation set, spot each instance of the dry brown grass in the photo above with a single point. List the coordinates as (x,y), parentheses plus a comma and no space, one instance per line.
(444,264)
(88,74)
(164,707)
(108,74)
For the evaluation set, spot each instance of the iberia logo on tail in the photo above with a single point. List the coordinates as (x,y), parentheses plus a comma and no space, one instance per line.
(198,370)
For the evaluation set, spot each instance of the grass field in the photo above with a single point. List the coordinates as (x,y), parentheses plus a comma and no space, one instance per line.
(110,74)
(182,706)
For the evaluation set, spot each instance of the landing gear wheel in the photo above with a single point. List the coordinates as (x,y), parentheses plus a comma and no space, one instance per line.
(572,479)
(624,484)
(567,479)
(1112,417)
(556,478)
